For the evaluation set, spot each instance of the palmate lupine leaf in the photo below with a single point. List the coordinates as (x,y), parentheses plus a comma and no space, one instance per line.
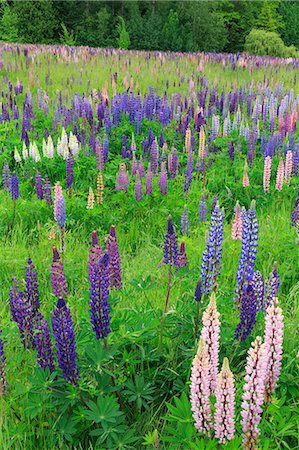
(105,411)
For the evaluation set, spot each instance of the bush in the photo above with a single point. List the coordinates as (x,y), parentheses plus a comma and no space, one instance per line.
(262,43)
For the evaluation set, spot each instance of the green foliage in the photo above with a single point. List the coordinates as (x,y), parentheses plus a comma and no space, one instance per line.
(9,26)
(123,35)
(269,19)
(67,37)
(260,42)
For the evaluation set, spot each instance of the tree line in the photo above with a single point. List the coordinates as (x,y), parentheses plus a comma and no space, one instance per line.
(262,27)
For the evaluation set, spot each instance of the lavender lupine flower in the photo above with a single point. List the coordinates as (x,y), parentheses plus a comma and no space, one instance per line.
(272,285)
(173,162)
(163,180)
(210,333)
(231,150)
(114,267)
(149,181)
(185,221)
(14,187)
(60,210)
(198,291)
(225,404)
(122,180)
(273,342)
(3,382)
(31,283)
(182,256)
(69,173)
(99,291)
(154,156)
(200,390)
(170,245)
(253,393)
(48,191)
(6,176)
(202,210)
(23,316)
(42,343)
(248,311)
(214,203)
(248,252)
(39,186)
(63,331)
(259,289)
(211,258)
(95,254)
(58,279)
(138,188)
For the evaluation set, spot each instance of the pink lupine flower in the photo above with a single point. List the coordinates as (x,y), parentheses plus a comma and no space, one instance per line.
(200,390)
(201,149)
(245,181)
(280,175)
(57,193)
(273,343)
(267,173)
(225,404)
(237,224)
(253,393)
(288,166)
(211,334)
(188,140)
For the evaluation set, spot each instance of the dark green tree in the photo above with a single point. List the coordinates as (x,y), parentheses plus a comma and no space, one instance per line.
(269,19)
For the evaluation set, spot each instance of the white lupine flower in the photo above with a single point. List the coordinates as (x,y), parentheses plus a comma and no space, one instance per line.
(74,145)
(36,155)
(59,147)
(24,151)
(17,156)
(50,147)
(31,150)
(45,148)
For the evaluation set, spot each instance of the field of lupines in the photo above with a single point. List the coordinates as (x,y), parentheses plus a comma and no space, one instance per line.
(149,219)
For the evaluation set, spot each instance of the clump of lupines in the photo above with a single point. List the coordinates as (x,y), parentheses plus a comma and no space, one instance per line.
(63,331)
(185,221)
(14,187)
(170,245)
(122,180)
(253,393)
(202,212)
(210,333)
(200,390)
(58,279)
(273,339)
(42,343)
(211,258)
(114,267)
(163,180)
(248,252)
(267,173)
(6,176)
(237,224)
(182,256)
(100,188)
(3,382)
(90,199)
(138,188)
(99,291)
(39,186)
(225,404)
(280,175)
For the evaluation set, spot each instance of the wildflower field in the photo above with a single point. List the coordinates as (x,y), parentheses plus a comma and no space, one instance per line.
(149,219)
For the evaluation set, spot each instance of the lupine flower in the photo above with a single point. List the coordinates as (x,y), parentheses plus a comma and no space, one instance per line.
(154,156)
(173,162)
(295,217)
(280,175)
(249,250)
(134,165)
(245,181)
(182,256)
(69,173)
(225,404)
(95,254)
(170,245)
(42,343)
(198,291)
(122,180)
(149,181)
(114,267)
(39,186)
(141,167)
(200,390)
(259,290)
(214,203)
(237,224)
(3,382)
(211,257)
(248,311)
(231,150)
(201,149)
(202,212)
(99,291)
(271,287)
(31,285)
(273,342)
(23,316)
(210,333)
(100,188)
(163,180)
(253,393)
(138,188)
(90,199)
(60,210)
(288,166)
(58,280)
(63,331)
(267,173)
(188,140)
(14,187)
(48,191)
(51,235)
(6,176)
(185,221)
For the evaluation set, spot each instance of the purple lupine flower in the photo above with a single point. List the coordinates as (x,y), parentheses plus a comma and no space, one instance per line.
(141,167)
(163,180)
(248,312)
(60,210)
(138,188)
(198,291)
(31,286)
(154,156)
(39,186)
(272,286)
(63,331)
(214,203)
(249,250)
(69,172)
(173,162)
(23,316)
(134,165)
(6,176)
(95,254)
(100,158)
(149,181)
(182,255)
(58,279)
(122,180)
(14,187)
(42,343)
(114,267)
(211,257)
(48,191)
(202,210)
(259,289)
(231,150)
(185,221)
(171,245)
(3,382)
(99,291)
